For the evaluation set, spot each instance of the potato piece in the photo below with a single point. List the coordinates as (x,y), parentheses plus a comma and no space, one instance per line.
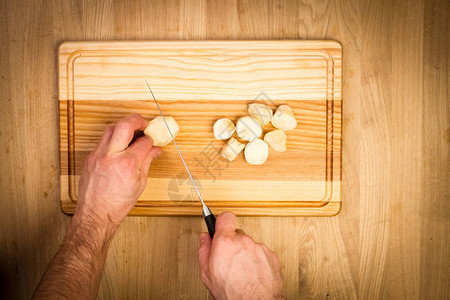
(276,139)
(256,152)
(260,112)
(248,128)
(157,130)
(284,118)
(231,149)
(223,129)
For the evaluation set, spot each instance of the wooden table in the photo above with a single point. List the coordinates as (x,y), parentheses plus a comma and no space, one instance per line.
(390,239)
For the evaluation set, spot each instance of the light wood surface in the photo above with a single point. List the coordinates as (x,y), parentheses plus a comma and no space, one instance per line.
(197,83)
(390,240)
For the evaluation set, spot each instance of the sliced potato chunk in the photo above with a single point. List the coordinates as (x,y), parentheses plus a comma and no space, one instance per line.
(260,112)
(248,128)
(231,149)
(157,130)
(276,139)
(256,152)
(223,129)
(284,118)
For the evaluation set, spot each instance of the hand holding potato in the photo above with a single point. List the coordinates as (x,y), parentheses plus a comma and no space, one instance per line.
(115,173)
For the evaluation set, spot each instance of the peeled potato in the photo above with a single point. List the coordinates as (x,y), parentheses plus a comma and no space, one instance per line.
(284,118)
(223,129)
(276,139)
(157,130)
(261,112)
(256,152)
(231,149)
(248,128)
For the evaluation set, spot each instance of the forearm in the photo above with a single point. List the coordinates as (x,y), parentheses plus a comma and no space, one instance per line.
(77,267)
(113,178)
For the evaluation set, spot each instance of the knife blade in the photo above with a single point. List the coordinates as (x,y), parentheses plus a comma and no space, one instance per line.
(210,220)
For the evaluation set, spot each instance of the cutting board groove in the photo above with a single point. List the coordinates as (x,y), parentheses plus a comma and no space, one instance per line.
(198,83)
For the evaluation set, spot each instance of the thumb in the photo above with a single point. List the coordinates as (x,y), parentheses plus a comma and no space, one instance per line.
(225,224)
(203,254)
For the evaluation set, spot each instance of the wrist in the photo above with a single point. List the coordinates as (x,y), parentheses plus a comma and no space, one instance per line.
(90,230)
(94,221)
(89,212)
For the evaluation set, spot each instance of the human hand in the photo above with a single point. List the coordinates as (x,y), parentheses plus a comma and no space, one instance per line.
(115,173)
(233,266)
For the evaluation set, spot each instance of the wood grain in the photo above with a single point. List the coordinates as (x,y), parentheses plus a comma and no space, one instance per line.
(390,239)
(198,83)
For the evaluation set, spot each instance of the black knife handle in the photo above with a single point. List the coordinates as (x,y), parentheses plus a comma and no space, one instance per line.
(210,221)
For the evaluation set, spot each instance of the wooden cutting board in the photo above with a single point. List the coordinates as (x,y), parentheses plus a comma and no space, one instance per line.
(198,82)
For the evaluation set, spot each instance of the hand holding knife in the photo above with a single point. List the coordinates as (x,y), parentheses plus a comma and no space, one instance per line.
(210,220)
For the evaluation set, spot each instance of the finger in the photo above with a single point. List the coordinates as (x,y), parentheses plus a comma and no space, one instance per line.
(154,152)
(124,130)
(226,224)
(104,140)
(203,255)
(140,149)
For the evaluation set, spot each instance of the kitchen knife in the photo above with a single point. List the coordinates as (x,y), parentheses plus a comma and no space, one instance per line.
(210,220)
